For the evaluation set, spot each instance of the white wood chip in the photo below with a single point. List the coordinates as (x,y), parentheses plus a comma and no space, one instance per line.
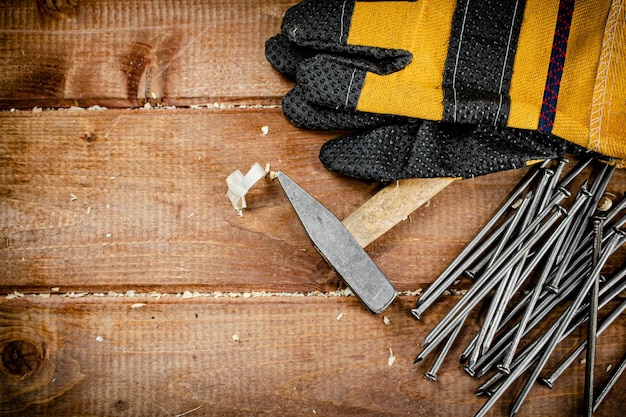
(239,185)
(392,358)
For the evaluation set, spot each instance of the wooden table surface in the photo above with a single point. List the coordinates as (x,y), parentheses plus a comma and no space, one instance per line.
(129,283)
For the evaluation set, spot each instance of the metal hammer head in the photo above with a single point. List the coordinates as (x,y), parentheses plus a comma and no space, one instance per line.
(340,249)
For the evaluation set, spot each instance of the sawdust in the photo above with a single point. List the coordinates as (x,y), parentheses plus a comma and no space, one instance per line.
(187,294)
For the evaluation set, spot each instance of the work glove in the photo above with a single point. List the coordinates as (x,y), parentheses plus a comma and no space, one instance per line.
(389,147)
(487,64)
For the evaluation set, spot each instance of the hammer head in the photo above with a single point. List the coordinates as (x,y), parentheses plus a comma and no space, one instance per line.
(340,249)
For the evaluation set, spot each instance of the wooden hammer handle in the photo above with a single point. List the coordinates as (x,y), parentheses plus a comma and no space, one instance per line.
(390,206)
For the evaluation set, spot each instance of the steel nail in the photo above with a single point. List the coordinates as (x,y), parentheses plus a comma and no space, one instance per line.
(500,291)
(432,373)
(554,251)
(493,276)
(568,247)
(610,383)
(436,289)
(549,302)
(575,172)
(561,162)
(567,318)
(598,225)
(456,266)
(567,362)
(609,291)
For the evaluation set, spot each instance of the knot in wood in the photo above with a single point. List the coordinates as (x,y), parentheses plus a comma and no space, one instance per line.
(58,9)
(20,358)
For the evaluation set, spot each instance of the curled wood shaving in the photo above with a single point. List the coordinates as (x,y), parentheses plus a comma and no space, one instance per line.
(392,358)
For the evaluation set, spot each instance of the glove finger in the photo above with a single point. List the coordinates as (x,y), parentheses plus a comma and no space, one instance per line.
(325,25)
(331,82)
(305,114)
(430,149)
(285,56)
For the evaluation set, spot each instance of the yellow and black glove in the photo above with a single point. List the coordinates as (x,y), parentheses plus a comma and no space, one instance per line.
(550,68)
(388,147)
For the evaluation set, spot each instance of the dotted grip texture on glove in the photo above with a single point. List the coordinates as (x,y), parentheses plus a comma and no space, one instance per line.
(554,67)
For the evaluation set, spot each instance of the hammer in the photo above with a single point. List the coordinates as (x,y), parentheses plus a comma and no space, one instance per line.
(342,243)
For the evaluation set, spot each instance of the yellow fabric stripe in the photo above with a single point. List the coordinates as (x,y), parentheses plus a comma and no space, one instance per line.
(423,28)
(608,111)
(532,59)
(579,74)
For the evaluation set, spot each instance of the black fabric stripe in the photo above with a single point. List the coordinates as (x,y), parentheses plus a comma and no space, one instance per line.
(479,65)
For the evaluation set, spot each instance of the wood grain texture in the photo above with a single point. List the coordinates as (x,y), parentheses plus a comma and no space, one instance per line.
(291,356)
(124,202)
(124,54)
(102,200)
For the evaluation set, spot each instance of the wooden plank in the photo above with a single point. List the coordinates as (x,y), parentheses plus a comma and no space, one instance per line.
(281,356)
(117,200)
(120,54)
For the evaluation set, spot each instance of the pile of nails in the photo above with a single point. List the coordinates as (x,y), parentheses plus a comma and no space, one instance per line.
(544,248)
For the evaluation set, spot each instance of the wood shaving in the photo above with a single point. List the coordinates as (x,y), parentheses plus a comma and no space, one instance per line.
(235,337)
(14,295)
(99,339)
(415,293)
(77,295)
(386,320)
(265,130)
(189,294)
(190,411)
(392,358)
(239,185)
(339,316)
(138,305)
